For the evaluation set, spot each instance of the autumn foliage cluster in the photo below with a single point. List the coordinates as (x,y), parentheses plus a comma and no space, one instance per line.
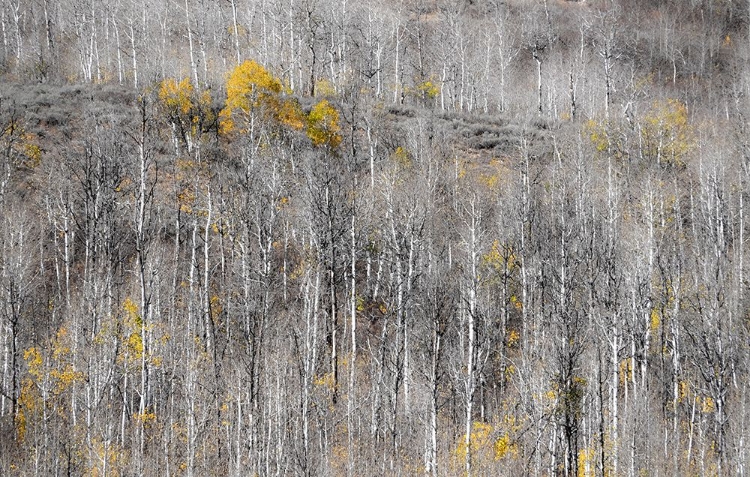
(374,238)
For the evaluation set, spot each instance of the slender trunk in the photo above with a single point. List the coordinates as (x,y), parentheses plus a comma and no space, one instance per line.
(237,31)
(332,291)
(350,402)
(193,65)
(133,53)
(539,81)
(472,348)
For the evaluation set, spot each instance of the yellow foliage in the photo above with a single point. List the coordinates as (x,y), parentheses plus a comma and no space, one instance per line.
(33,359)
(226,123)
(31,151)
(298,271)
(501,262)
(240,31)
(131,309)
(135,346)
(500,257)
(28,401)
(340,454)
(401,157)
(551,395)
(626,371)
(478,439)
(513,337)
(462,171)
(598,135)
(428,89)
(107,456)
(65,378)
(145,417)
(490,442)
(283,202)
(509,420)
(504,447)
(490,180)
(184,106)
(667,134)
(360,304)
(216,308)
(655,320)
(498,173)
(249,87)
(683,388)
(324,88)
(325,380)
(291,115)
(586,466)
(323,125)
(252,89)
(186,198)
(20,145)
(248,84)
(176,96)
(60,350)
(134,326)
(46,378)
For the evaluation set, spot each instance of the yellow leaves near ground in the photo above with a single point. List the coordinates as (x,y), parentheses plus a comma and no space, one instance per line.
(49,377)
(107,459)
(147,418)
(28,402)
(513,337)
(490,443)
(29,399)
(479,440)
(31,152)
(216,308)
(20,146)
(586,462)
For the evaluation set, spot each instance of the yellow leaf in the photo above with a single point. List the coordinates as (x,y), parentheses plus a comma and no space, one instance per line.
(252,90)
(176,97)
(667,134)
(323,125)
